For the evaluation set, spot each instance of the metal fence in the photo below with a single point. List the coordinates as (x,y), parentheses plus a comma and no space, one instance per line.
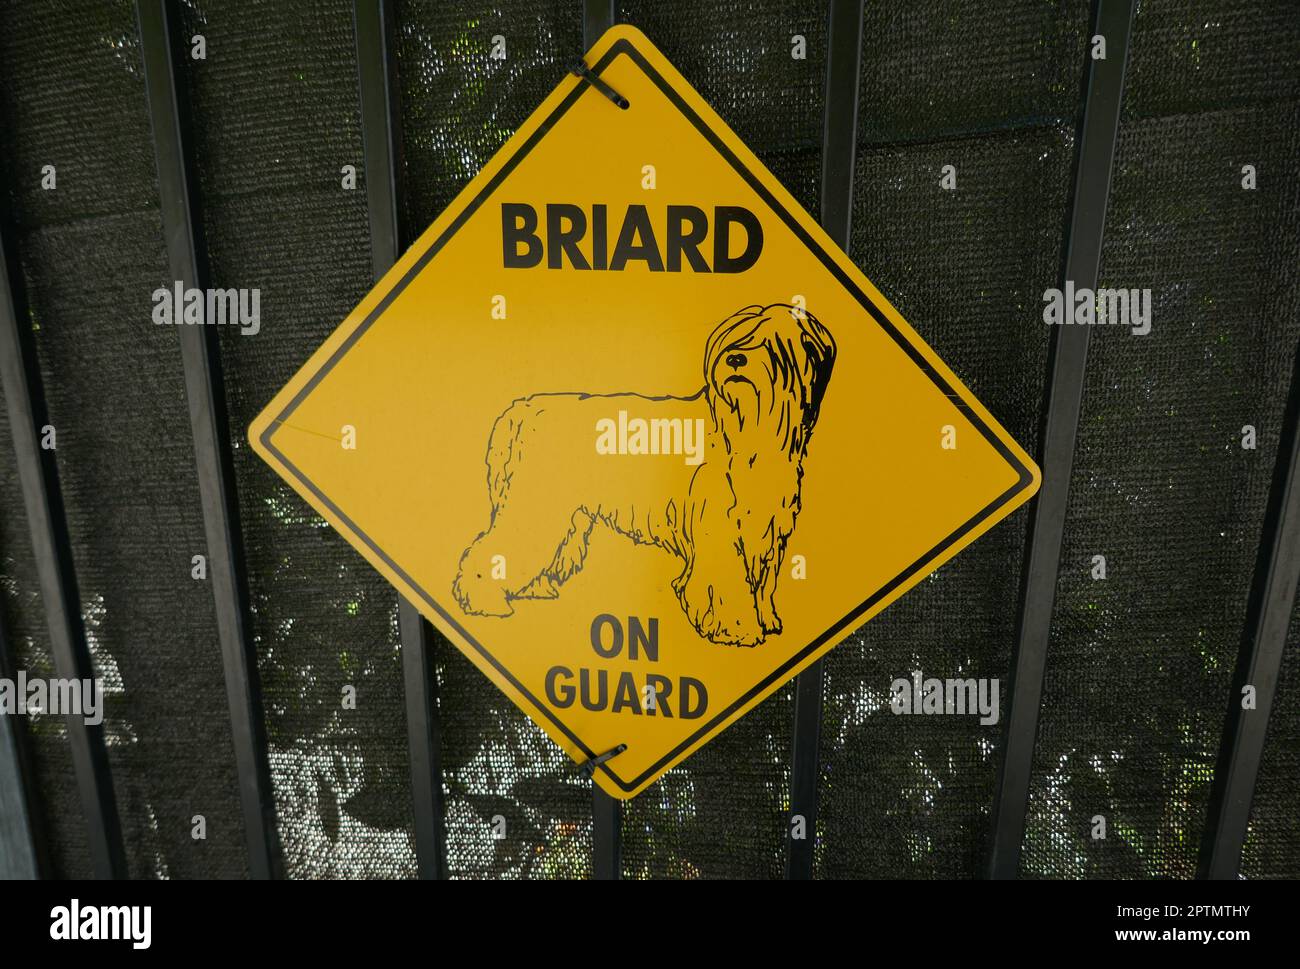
(416,114)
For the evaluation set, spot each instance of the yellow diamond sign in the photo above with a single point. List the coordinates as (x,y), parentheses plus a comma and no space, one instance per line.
(630,429)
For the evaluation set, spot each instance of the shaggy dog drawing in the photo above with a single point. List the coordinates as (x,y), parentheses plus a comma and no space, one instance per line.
(726,512)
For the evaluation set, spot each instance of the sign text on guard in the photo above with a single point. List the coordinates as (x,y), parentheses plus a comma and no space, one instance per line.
(633,432)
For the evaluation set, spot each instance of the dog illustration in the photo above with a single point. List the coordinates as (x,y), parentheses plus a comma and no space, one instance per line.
(727,516)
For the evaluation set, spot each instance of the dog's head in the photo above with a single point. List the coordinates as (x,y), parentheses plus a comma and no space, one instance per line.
(768,367)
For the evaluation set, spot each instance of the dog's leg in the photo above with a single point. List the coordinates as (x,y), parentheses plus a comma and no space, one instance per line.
(567,563)
(764,556)
(718,601)
(525,540)
(765,594)
(714,590)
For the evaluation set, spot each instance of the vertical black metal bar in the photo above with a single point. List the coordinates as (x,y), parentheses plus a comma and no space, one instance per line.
(803,773)
(1067,360)
(22,842)
(606,811)
(205,391)
(375,26)
(840,125)
(423,739)
(839,152)
(606,835)
(1268,616)
(39,478)
(597,17)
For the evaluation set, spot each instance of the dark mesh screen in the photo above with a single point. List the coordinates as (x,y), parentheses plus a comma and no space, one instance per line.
(909,796)
(931,70)
(276,117)
(459,105)
(92,254)
(1140,663)
(739,56)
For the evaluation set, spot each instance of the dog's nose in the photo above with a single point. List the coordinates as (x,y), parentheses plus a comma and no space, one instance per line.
(735,360)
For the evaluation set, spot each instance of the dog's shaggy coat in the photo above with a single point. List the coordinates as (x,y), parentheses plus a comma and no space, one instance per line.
(728,519)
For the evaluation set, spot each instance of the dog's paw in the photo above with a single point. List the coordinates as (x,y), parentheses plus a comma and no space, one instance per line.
(719,621)
(737,630)
(542,587)
(480,596)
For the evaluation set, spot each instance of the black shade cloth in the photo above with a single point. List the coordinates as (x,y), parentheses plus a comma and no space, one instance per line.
(1140,663)
(92,254)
